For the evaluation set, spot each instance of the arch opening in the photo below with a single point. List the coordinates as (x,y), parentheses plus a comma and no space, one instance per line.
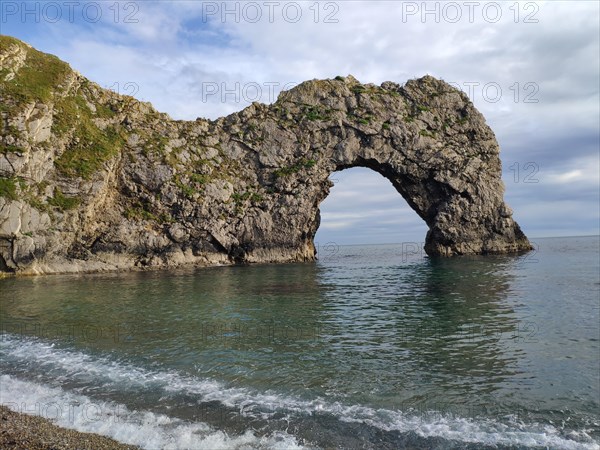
(364,207)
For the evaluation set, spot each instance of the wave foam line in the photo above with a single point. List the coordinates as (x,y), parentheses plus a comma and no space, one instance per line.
(108,373)
(142,428)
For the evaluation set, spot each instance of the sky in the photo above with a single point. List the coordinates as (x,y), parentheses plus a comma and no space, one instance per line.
(532,69)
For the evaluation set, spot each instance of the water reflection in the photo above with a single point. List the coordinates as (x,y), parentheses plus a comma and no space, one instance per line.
(429,328)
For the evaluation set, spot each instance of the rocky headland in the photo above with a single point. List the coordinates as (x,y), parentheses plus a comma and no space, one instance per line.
(94,181)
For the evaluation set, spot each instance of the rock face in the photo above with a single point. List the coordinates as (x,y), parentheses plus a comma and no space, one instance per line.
(92,181)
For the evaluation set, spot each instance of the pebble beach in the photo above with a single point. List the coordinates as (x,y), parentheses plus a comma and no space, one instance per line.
(23,431)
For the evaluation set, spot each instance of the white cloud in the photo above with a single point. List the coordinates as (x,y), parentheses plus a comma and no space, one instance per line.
(579,172)
(332,225)
(569,176)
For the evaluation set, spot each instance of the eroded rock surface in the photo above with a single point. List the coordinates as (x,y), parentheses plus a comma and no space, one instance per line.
(92,181)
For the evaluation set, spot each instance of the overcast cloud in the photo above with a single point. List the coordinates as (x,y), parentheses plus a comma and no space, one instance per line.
(532,68)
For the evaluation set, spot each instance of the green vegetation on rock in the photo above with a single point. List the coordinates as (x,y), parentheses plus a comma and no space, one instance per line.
(11,149)
(91,151)
(8,188)
(39,76)
(316,113)
(254,197)
(363,120)
(288,170)
(90,146)
(139,212)
(63,202)
(40,79)
(199,179)
(194,186)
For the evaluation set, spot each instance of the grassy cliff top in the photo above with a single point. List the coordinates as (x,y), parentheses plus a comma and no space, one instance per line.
(39,73)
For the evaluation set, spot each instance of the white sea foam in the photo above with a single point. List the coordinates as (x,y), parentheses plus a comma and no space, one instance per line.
(142,428)
(152,430)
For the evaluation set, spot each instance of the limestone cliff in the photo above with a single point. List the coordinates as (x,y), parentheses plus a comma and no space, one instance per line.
(91,180)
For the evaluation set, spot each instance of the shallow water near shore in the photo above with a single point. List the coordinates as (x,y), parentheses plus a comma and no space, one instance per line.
(372,347)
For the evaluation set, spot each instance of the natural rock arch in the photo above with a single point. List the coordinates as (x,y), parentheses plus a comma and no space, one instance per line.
(97,181)
(426,138)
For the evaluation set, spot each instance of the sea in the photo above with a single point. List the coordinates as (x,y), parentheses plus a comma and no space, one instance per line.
(371,347)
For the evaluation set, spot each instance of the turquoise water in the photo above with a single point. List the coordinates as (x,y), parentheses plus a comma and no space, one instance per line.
(371,347)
